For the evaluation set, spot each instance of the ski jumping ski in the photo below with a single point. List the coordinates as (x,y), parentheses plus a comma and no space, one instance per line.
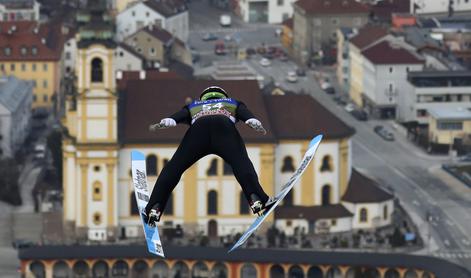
(283,192)
(139,179)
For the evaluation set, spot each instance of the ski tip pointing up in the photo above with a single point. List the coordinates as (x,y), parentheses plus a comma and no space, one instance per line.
(316,140)
(136,155)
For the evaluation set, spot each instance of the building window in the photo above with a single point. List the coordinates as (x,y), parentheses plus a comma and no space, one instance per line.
(133,13)
(34,97)
(288,166)
(45,83)
(34,50)
(288,199)
(97,191)
(97,70)
(147,14)
(96,168)
(12,67)
(243,204)
(67,55)
(45,98)
(213,168)
(449,125)
(23,51)
(7,51)
(227,169)
(2,67)
(421,112)
(363,215)
(325,195)
(152,51)
(333,222)
(97,218)
(212,205)
(280,2)
(385,212)
(23,67)
(33,67)
(390,69)
(35,84)
(326,164)
(151,165)
(335,21)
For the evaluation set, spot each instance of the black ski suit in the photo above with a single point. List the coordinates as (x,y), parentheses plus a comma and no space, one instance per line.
(209,134)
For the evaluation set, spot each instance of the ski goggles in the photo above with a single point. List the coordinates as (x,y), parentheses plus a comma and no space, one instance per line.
(210,95)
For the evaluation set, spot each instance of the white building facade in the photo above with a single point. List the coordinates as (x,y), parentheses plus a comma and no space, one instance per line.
(142,14)
(273,11)
(17,10)
(16,97)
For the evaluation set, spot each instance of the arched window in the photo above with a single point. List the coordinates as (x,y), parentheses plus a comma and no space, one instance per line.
(325,195)
(243,204)
(97,218)
(288,166)
(97,70)
(100,269)
(363,215)
(81,269)
(248,270)
(385,212)
(219,270)
(160,269)
(227,169)
(180,269)
(169,205)
(61,269)
(140,269)
(212,202)
(200,269)
(213,168)
(120,268)
(314,272)
(295,271)
(151,165)
(133,202)
(276,271)
(97,191)
(326,163)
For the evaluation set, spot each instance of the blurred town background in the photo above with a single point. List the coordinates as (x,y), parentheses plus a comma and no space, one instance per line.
(388,82)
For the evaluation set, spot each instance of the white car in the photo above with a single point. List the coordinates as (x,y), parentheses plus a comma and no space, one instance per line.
(225,20)
(325,85)
(349,107)
(265,62)
(292,77)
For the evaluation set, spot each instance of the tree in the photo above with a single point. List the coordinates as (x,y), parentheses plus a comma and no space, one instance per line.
(9,189)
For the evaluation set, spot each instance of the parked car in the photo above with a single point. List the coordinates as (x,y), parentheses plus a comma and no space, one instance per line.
(269,55)
(329,90)
(219,48)
(341,100)
(284,57)
(265,62)
(225,20)
(228,38)
(300,72)
(465,158)
(261,50)
(209,37)
(325,85)
(384,133)
(292,77)
(349,107)
(360,115)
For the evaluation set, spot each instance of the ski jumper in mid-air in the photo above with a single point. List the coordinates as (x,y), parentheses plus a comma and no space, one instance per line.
(212,131)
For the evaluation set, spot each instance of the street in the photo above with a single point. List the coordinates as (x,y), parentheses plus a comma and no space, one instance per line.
(412,175)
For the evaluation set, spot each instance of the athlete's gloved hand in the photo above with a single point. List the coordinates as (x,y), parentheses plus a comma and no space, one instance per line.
(256,124)
(164,123)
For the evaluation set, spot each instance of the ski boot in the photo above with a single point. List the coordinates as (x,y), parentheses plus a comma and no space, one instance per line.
(256,204)
(153,216)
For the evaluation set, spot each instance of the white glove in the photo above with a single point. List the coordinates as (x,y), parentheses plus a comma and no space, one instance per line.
(164,123)
(256,124)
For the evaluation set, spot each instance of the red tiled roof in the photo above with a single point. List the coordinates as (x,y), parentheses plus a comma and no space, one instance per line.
(362,189)
(386,53)
(368,35)
(332,6)
(47,39)
(161,34)
(147,101)
(149,75)
(301,117)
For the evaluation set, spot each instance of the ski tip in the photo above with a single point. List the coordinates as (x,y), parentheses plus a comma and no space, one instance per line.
(316,140)
(230,250)
(137,155)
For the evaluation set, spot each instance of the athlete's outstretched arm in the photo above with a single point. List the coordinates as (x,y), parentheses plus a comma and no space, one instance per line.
(244,114)
(182,116)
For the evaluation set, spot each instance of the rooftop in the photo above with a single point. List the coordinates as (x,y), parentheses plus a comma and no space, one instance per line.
(368,35)
(450,113)
(13,91)
(362,189)
(327,7)
(167,8)
(395,54)
(439,267)
(312,213)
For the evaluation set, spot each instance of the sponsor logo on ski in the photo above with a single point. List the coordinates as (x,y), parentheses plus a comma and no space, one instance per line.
(141,182)
(142,196)
(158,247)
